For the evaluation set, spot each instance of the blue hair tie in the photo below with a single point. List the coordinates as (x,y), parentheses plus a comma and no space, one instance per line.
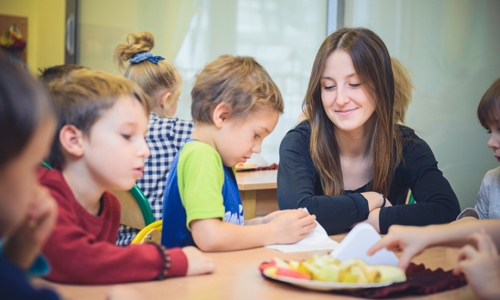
(141,56)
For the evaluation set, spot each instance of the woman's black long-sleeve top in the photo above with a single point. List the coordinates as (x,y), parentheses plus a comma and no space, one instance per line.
(299,185)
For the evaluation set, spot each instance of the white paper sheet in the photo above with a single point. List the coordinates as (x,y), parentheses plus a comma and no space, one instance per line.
(316,240)
(357,242)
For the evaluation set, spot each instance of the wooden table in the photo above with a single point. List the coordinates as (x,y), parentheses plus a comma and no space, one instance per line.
(258,192)
(237,277)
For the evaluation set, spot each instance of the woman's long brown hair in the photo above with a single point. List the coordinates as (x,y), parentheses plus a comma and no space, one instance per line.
(372,63)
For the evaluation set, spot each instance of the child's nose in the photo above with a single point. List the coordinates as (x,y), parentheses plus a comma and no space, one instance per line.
(493,142)
(144,149)
(256,148)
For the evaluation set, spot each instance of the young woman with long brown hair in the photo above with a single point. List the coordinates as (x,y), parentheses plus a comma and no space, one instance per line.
(349,161)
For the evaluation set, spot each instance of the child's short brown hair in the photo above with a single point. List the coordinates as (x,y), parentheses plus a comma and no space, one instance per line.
(238,81)
(82,97)
(53,73)
(488,110)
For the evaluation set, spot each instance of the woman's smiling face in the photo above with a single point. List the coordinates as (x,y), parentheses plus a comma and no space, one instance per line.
(344,97)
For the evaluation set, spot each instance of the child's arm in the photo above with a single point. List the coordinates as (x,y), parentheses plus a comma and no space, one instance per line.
(23,245)
(481,266)
(216,235)
(266,219)
(84,252)
(413,240)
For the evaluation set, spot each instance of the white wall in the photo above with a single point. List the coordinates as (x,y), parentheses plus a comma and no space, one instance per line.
(282,35)
(452,50)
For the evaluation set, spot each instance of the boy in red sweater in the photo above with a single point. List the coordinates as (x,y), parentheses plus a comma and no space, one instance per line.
(100,146)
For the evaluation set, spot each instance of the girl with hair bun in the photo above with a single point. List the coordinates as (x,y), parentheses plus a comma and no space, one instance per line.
(166,134)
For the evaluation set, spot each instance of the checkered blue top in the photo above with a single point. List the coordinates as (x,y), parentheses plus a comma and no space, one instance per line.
(165,138)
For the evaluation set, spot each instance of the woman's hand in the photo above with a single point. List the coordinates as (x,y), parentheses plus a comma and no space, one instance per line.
(481,266)
(24,244)
(375,200)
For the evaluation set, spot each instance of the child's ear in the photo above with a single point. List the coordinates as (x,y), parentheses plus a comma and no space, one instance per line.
(164,99)
(220,114)
(71,139)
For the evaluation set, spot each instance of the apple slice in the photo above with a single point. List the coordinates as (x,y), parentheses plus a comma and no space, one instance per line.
(291,273)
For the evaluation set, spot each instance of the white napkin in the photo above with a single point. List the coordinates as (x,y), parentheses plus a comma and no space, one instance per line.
(357,242)
(316,240)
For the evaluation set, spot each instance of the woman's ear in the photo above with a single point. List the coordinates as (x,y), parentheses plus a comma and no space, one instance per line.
(71,139)
(221,114)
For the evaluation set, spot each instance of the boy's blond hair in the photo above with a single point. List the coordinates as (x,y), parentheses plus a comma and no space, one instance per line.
(238,81)
(403,88)
(82,97)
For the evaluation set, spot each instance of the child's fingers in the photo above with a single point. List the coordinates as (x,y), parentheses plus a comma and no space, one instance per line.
(40,203)
(312,224)
(307,223)
(300,213)
(390,242)
(198,263)
(383,243)
(408,254)
(274,214)
(403,263)
(467,252)
(306,229)
(43,215)
(209,266)
(457,270)
(461,267)
(483,241)
(309,220)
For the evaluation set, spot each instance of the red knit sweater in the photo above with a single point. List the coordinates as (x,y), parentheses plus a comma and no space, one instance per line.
(82,250)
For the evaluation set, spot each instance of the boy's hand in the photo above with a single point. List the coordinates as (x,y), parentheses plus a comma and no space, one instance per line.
(409,239)
(198,263)
(269,217)
(291,226)
(481,266)
(24,244)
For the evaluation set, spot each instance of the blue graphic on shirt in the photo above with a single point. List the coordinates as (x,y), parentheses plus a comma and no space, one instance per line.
(175,232)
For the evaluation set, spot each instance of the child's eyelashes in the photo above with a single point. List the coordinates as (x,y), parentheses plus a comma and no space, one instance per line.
(330,87)
(355,85)
(256,136)
(126,136)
